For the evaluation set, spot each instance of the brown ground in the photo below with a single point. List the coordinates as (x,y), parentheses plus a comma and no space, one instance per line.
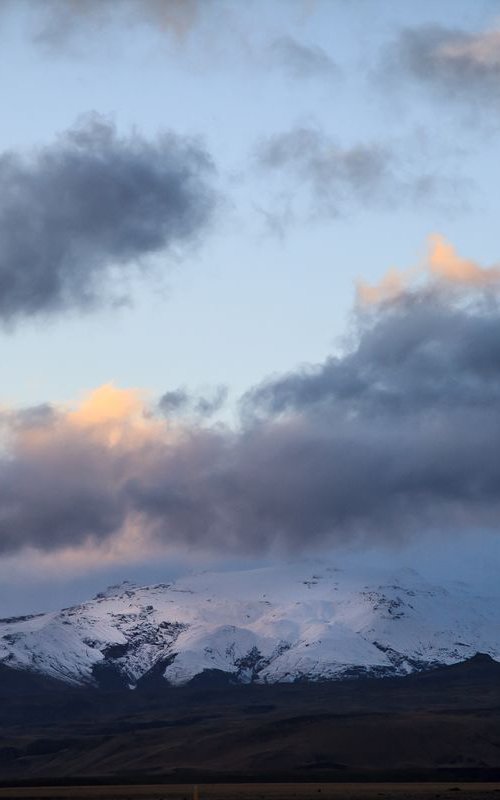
(442,726)
(265,791)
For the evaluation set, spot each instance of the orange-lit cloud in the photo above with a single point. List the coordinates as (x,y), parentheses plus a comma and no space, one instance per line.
(109,404)
(444,263)
(441,266)
(107,416)
(81,478)
(116,416)
(391,286)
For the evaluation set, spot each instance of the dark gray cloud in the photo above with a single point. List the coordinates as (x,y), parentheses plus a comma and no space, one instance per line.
(174,402)
(302,61)
(79,214)
(402,430)
(327,179)
(179,402)
(420,356)
(396,436)
(87,504)
(459,65)
(208,405)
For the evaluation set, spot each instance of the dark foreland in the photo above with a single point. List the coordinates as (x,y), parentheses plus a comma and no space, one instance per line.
(439,725)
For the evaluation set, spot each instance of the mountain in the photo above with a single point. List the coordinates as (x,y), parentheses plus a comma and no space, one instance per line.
(296,622)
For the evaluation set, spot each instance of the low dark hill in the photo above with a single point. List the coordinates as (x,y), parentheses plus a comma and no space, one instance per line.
(442,724)
(17,682)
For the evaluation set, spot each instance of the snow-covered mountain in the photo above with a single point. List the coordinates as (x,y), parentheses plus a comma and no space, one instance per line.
(275,624)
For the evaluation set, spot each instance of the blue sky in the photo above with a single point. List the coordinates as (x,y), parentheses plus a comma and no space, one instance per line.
(270,283)
(285,300)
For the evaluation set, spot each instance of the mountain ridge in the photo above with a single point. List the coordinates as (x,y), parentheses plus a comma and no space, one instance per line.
(298,621)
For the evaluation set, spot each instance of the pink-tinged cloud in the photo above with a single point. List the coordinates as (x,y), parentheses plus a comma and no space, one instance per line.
(441,267)
(481,49)
(459,65)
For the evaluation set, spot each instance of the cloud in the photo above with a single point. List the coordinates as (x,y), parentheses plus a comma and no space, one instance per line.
(399,435)
(55,22)
(333,175)
(82,450)
(80,214)
(330,180)
(459,65)
(395,436)
(178,402)
(442,265)
(301,61)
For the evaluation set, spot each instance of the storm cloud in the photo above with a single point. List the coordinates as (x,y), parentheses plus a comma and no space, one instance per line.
(458,65)
(80,214)
(396,435)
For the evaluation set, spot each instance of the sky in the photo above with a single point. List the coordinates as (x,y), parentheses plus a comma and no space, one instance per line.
(249,285)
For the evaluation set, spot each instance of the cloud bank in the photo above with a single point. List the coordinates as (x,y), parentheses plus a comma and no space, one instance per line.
(397,435)
(78,215)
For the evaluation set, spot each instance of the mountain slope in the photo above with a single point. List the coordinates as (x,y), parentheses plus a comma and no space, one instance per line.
(276,624)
